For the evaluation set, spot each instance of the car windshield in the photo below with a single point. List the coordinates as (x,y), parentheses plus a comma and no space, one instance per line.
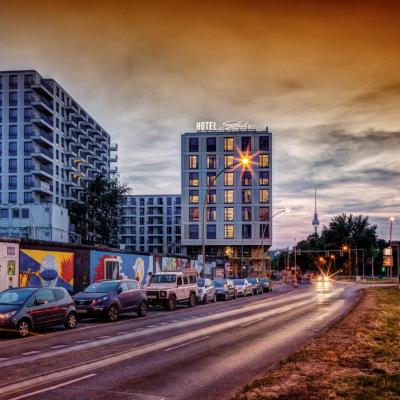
(16,297)
(238,281)
(163,278)
(102,287)
(252,280)
(263,280)
(219,283)
(201,282)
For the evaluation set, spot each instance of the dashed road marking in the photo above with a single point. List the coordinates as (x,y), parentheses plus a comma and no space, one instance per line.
(252,322)
(121,333)
(4,358)
(31,353)
(58,346)
(83,341)
(187,343)
(103,337)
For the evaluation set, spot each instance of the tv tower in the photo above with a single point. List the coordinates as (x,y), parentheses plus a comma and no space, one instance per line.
(315,221)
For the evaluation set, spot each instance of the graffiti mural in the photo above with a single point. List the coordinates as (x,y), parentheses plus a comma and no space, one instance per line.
(9,253)
(110,265)
(42,268)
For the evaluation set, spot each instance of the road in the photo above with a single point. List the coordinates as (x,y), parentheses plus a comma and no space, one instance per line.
(206,352)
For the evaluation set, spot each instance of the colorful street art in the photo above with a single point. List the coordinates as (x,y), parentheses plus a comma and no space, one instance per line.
(9,253)
(109,265)
(42,268)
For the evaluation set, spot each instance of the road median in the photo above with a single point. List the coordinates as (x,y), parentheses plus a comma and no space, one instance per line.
(358,358)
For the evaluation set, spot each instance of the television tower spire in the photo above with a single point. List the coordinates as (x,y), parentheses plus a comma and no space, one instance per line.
(315,221)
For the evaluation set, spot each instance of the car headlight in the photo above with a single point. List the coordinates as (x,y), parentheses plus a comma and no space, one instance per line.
(163,293)
(7,315)
(100,300)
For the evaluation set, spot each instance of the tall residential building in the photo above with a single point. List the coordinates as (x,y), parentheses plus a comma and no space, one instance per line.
(152,224)
(50,147)
(237,230)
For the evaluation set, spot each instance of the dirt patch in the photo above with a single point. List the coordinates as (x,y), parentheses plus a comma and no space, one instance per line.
(358,358)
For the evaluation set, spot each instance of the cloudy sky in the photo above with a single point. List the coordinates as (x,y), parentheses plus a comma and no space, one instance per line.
(324,76)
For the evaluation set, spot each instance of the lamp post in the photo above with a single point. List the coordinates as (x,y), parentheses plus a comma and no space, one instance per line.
(243,161)
(390,244)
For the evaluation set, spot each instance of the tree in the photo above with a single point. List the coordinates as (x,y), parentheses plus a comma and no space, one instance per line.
(97,217)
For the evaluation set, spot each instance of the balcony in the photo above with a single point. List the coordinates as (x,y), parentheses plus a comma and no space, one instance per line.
(43,170)
(43,121)
(114,158)
(44,88)
(114,147)
(71,137)
(42,137)
(43,187)
(42,104)
(43,154)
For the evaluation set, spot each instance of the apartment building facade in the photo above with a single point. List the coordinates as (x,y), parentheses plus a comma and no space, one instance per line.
(152,223)
(50,147)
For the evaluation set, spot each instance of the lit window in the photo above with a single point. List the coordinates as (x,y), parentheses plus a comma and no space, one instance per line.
(263,179)
(211,179)
(246,196)
(228,144)
(193,179)
(228,161)
(264,161)
(228,196)
(211,162)
(211,214)
(229,179)
(193,196)
(229,214)
(212,197)
(264,195)
(193,162)
(229,231)
(194,214)
(246,178)
(246,214)
(264,213)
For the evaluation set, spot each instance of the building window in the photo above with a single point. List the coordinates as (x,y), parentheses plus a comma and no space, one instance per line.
(193,196)
(228,196)
(28,181)
(193,162)
(228,161)
(263,178)
(211,231)
(211,197)
(12,115)
(25,213)
(246,143)
(212,144)
(246,231)
(193,145)
(229,179)
(264,143)
(246,214)
(264,213)
(211,179)
(246,196)
(28,131)
(228,144)
(264,195)
(211,214)
(264,231)
(264,161)
(229,214)
(13,81)
(193,179)
(12,148)
(12,165)
(15,213)
(211,162)
(4,212)
(193,231)
(28,198)
(12,132)
(12,197)
(28,114)
(246,178)
(28,164)
(28,80)
(12,182)
(28,98)
(28,148)
(229,231)
(194,214)
(12,98)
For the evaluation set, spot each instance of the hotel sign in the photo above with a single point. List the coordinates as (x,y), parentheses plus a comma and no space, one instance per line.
(226,126)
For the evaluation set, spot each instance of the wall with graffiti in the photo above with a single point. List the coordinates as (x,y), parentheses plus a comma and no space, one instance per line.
(43,268)
(9,265)
(113,265)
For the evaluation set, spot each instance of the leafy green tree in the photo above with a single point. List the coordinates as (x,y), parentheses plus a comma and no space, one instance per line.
(97,218)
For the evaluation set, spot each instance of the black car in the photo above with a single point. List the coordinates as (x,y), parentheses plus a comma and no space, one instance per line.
(26,309)
(225,289)
(257,286)
(109,298)
(266,285)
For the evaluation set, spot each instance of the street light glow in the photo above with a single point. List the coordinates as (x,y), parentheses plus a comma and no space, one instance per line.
(245,161)
(392,219)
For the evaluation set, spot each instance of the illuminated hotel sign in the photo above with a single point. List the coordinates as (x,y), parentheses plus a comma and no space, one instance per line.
(226,126)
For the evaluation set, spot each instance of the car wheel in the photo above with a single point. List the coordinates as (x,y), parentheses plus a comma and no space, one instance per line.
(226,297)
(23,328)
(192,300)
(113,313)
(204,299)
(71,321)
(142,311)
(234,294)
(214,298)
(171,303)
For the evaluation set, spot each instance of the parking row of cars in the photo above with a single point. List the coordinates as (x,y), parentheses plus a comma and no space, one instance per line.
(26,309)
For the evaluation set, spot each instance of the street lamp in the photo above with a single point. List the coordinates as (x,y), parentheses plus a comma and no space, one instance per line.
(347,248)
(245,162)
(392,219)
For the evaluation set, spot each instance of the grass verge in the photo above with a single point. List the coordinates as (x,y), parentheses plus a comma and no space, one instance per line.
(358,358)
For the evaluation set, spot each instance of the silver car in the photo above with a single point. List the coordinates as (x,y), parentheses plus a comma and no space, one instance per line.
(206,291)
(243,287)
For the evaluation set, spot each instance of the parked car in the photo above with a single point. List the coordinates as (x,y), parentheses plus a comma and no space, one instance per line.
(225,289)
(243,287)
(172,287)
(257,287)
(26,309)
(206,291)
(109,298)
(266,285)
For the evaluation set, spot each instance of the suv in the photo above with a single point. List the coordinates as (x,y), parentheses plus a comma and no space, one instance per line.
(169,288)
(109,298)
(24,309)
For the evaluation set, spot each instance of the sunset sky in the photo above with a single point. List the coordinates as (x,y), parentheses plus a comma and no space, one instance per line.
(324,76)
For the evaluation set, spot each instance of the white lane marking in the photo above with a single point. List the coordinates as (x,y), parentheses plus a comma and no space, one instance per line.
(83,341)
(252,322)
(164,323)
(23,396)
(103,337)
(4,358)
(138,329)
(58,346)
(175,320)
(31,353)
(151,326)
(121,333)
(187,343)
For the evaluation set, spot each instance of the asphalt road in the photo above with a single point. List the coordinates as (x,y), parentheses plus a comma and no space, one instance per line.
(207,352)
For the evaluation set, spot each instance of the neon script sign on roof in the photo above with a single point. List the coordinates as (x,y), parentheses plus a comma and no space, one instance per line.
(226,126)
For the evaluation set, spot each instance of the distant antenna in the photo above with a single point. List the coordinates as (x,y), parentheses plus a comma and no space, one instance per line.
(315,221)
